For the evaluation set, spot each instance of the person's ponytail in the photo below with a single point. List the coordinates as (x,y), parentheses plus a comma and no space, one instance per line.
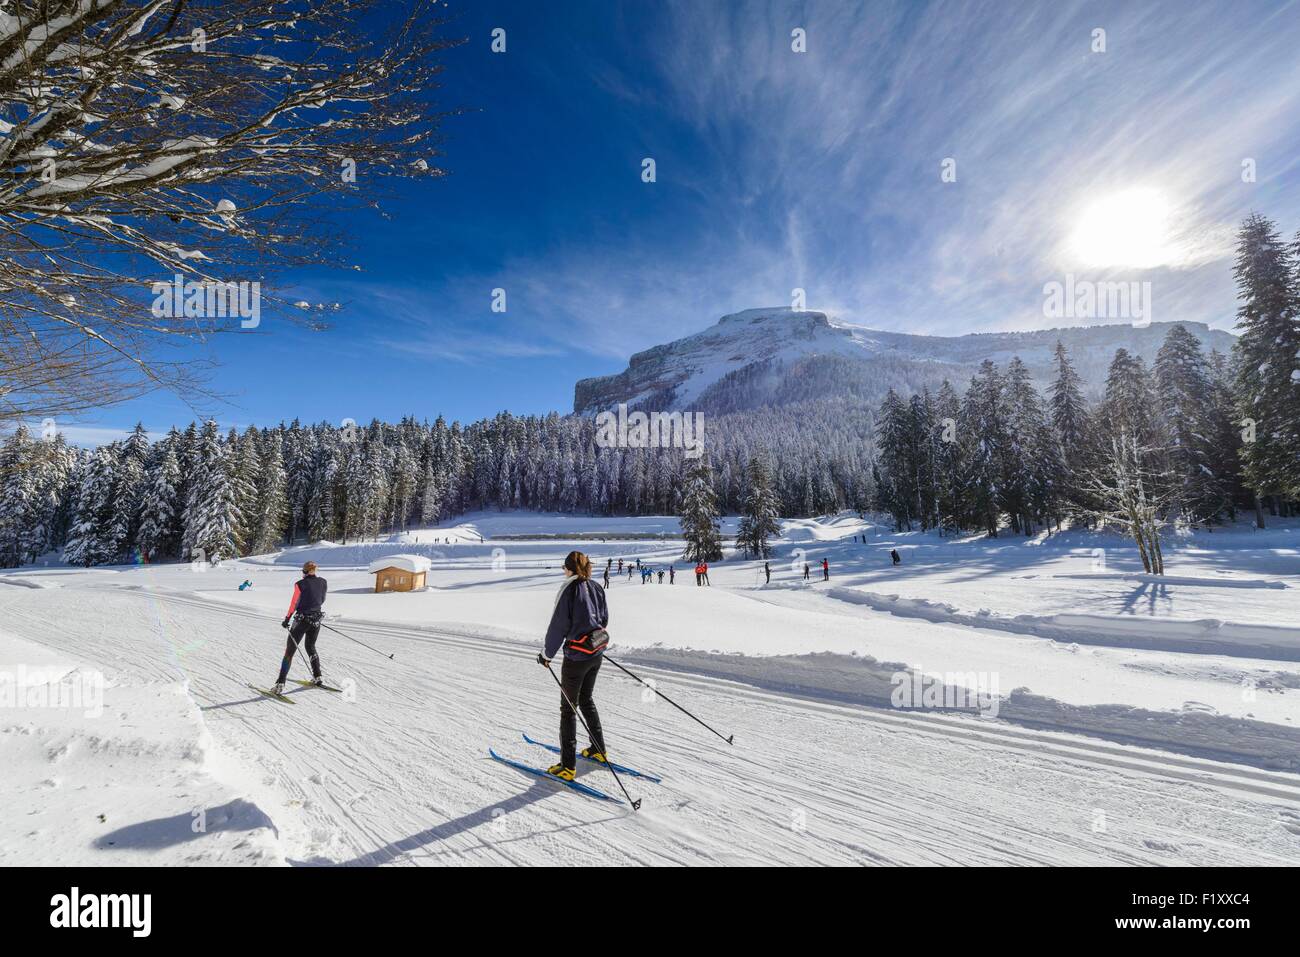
(579,564)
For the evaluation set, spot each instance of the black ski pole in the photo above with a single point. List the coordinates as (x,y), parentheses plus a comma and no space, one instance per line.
(350,638)
(636,805)
(297,646)
(668,699)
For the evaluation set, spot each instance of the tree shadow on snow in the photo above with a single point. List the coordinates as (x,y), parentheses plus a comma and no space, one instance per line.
(1154,593)
(237,815)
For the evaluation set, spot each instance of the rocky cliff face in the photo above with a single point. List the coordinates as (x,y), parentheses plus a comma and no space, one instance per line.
(773,356)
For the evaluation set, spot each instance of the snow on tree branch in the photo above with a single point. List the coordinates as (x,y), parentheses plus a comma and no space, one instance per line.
(140,141)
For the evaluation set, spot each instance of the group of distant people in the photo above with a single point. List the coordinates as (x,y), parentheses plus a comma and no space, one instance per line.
(807,571)
(652,574)
(647,573)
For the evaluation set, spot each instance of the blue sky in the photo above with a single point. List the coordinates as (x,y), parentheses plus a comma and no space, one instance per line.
(777,170)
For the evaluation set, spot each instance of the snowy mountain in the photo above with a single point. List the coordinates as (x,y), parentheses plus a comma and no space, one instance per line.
(779,356)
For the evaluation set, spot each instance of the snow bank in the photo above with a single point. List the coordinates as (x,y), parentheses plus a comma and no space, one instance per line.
(103,772)
(863,680)
(21,582)
(829,528)
(1206,636)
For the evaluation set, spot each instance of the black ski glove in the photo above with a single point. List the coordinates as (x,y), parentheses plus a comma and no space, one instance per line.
(545,663)
(285,623)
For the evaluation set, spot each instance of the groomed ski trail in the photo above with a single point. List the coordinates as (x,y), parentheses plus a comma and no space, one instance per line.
(396,771)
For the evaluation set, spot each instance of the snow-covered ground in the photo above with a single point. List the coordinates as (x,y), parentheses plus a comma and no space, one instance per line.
(1122,720)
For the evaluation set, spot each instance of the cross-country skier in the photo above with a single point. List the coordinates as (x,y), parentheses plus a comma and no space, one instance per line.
(578,626)
(305,610)
(661,576)
(898,559)
(826,570)
(672,575)
(606,576)
(806,569)
(699,573)
(767,573)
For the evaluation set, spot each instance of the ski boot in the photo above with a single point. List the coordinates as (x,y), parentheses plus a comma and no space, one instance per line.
(278,688)
(561,772)
(594,753)
(317,680)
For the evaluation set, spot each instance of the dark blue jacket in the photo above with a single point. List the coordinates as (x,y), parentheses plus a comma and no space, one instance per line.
(580,610)
(308,596)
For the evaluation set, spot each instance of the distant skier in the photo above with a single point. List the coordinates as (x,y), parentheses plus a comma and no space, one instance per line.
(620,566)
(672,575)
(705,567)
(826,570)
(578,625)
(898,559)
(305,611)
(245,584)
(699,573)
(767,573)
(607,576)
(629,571)
(661,576)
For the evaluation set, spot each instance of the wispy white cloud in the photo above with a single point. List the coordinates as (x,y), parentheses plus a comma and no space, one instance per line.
(822,169)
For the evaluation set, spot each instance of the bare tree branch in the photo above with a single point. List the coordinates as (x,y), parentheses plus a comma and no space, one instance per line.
(141,140)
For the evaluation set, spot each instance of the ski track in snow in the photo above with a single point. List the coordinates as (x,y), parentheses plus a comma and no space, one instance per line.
(398,773)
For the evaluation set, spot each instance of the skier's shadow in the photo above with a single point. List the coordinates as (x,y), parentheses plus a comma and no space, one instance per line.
(494,817)
(255,699)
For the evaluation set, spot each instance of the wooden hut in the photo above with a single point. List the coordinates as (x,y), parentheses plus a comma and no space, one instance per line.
(400,572)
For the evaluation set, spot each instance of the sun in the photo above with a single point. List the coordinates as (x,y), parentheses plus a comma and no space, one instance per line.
(1129,228)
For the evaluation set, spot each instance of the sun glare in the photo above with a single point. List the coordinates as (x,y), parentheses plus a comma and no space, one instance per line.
(1124,229)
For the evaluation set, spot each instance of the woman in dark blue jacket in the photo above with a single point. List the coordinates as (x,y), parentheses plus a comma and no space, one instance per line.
(578,626)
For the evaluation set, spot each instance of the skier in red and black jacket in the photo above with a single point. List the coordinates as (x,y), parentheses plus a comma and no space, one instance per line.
(305,611)
(578,626)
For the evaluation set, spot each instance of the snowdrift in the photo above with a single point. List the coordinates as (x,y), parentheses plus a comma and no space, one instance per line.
(863,680)
(1208,636)
(102,771)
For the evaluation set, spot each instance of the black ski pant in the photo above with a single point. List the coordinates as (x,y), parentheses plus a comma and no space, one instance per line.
(302,631)
(578,679)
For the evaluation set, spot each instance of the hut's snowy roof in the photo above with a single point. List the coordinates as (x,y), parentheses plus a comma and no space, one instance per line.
(408,563)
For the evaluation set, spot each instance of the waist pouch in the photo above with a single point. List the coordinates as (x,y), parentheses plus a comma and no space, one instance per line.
(592,643)
(310,617)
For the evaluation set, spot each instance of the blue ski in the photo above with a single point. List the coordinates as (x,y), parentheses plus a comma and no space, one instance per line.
(576,785)
(617,767)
